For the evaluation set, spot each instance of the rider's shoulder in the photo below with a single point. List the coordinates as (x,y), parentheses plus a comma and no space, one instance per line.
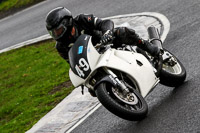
(84,16)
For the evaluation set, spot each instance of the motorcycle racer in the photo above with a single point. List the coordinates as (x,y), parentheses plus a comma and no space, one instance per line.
(65,30)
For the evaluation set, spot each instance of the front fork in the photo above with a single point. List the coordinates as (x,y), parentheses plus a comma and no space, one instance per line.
(121,85)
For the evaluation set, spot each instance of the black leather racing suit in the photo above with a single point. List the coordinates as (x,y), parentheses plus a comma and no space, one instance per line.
(91,25)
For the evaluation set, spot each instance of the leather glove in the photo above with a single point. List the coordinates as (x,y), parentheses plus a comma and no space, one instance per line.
(107,37)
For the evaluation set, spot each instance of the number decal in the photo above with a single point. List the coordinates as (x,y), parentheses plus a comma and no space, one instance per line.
(82,64)
(79,71)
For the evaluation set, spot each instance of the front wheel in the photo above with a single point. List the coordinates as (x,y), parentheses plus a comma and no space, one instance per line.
(173,72)
(133,107)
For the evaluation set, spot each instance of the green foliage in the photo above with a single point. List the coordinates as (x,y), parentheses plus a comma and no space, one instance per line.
(10,4)
(33,79)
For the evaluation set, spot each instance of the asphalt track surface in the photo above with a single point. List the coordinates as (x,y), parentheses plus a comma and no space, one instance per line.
(170,109)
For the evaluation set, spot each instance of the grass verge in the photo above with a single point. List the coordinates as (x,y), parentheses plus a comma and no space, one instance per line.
(8,7)
(33,79)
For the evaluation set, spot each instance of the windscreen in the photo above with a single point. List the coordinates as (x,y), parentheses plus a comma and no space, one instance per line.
(78,57)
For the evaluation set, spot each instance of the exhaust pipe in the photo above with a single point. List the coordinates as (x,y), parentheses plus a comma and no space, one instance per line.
(154,36)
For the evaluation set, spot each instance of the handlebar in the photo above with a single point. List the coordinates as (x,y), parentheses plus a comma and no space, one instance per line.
(98,45)
(154,37)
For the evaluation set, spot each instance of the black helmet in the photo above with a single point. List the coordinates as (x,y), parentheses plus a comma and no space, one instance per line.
(58,22)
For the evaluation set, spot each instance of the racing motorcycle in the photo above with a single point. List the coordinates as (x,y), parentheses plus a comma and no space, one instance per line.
(121,78)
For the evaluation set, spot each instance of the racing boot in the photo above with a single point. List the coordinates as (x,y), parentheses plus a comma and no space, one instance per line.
(152,49)
(130,37)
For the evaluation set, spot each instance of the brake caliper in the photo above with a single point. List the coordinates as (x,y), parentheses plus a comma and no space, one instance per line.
(168,59)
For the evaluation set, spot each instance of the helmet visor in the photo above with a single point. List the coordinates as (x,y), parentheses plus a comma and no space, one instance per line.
(58,32)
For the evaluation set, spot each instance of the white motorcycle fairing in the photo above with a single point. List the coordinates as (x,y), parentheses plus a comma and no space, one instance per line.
(133,64)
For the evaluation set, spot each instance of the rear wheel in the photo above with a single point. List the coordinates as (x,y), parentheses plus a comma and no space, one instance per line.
(173,73)
(130,107)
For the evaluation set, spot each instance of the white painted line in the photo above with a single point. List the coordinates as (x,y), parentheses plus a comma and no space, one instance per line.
(85,117)
(163,19)
(31,41)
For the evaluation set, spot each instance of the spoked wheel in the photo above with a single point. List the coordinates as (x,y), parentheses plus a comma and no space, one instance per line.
(130,107)
(173,72)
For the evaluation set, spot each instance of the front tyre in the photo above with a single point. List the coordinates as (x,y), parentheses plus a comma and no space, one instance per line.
(135,109)
(173,72)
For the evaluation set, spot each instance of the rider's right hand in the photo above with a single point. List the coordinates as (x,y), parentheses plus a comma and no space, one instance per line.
(107,37)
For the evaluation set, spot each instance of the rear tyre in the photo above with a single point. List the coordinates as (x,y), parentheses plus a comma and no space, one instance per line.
(134,110)
(172,75)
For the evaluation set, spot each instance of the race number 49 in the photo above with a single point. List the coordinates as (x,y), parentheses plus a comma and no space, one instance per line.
(84,65)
